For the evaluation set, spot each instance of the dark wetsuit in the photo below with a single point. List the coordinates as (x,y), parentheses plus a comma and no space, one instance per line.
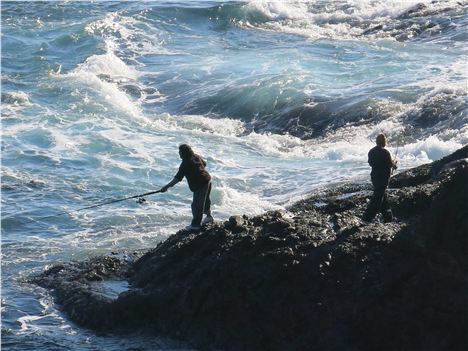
(381,163)
(199,181)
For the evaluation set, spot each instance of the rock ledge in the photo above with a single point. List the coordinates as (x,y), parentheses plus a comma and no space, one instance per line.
(313,278)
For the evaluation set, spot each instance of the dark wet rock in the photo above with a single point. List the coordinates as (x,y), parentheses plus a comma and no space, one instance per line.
(426,172)
(132,90)
(235,223)
(313,278)
(457,155)
(72,285)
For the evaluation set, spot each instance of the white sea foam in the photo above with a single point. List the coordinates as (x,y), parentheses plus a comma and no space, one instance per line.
(355,145)
(125,227)
(278,10)
(109,25)
(429,149)
(220,126)
(25,321)
(336,20)
(233,202)
(134,33)
(15,102)
(449,78)
(103,73)
(16,98)
(110,148)
(10,175)
(347,144)
(137,148)
(108,64)
(110,92)
(66,144)
(20,127)
(364,9)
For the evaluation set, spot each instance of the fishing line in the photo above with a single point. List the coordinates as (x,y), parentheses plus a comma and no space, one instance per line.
(140,200)
(397,148)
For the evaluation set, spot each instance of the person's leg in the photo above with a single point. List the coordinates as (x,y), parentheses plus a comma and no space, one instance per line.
(198,205)
(375,203)
(207,207)
(385,209)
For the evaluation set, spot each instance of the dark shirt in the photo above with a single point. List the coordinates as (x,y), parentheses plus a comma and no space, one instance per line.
(194,170)
(381,163)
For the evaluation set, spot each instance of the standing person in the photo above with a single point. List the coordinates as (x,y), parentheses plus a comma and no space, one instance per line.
(199,181)
(382,165)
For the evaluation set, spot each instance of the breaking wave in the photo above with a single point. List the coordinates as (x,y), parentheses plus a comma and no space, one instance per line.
(280,97)
(363,20)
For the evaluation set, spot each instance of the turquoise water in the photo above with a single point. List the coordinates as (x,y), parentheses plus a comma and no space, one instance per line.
(279,97)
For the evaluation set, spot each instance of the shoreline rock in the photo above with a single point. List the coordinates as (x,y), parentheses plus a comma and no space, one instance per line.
(315,278)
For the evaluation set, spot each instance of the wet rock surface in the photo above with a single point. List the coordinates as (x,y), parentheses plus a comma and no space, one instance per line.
(73,282)
(313,278)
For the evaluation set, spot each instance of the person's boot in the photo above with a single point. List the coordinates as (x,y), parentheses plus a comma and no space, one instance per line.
(366,217)
(208,219)
(387,216)
(192,228)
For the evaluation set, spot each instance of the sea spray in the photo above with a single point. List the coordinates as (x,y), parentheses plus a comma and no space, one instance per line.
(280,98)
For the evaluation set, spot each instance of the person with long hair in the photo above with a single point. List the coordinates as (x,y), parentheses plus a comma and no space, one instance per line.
(192,167)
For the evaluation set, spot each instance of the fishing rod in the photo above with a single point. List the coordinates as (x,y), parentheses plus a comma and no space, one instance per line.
(395,160)
(140,198)
(397,147)
(140,201)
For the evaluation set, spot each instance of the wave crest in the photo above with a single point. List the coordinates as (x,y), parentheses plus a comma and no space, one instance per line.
(402,20)
(17,98)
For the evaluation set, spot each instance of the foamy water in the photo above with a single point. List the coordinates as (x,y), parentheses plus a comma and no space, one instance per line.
(280,98)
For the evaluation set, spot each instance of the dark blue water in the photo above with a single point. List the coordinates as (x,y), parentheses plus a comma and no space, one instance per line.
(279,97)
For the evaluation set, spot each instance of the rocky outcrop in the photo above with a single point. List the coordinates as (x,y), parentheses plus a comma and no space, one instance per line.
(313,278)
(74,285)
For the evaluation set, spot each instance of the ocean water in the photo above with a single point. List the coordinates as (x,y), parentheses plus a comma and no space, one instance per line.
(279,97)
